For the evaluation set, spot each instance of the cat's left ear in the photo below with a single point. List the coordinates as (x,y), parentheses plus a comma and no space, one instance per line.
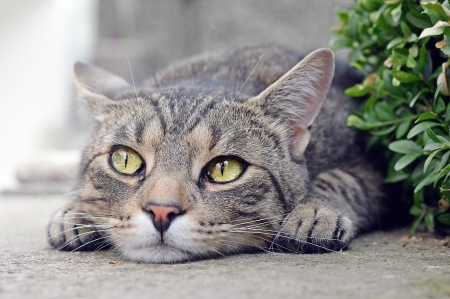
(99,88)
(94,81)
(296,98)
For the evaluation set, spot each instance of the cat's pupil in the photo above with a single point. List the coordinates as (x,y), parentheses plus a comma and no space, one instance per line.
(222,166)
(124,157)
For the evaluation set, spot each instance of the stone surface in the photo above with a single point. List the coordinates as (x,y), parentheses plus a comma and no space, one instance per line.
(378,265)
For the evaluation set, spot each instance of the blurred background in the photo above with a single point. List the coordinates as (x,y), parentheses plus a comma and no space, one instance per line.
(43,129)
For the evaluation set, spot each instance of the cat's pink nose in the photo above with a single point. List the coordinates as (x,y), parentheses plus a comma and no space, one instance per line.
(162,216)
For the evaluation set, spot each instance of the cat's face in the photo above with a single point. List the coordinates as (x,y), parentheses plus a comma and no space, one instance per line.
(183,173)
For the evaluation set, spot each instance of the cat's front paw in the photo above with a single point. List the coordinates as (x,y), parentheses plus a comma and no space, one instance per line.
(72,229)
(312,228)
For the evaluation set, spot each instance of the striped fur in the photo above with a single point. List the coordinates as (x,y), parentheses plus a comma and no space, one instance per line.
(307,186)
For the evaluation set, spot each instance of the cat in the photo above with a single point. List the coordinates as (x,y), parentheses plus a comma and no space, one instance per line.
(220,154)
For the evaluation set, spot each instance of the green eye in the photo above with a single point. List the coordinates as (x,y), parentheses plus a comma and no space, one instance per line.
(126,160)
(225,169)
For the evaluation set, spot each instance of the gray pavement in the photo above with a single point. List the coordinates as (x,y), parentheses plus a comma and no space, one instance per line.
(379,265)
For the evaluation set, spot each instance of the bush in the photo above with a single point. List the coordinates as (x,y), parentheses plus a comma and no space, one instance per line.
(402,47)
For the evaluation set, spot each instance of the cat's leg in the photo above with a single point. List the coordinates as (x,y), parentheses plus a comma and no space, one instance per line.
(71,229)
(341,204)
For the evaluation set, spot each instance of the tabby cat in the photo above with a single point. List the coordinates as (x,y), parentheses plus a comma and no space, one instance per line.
(220,154)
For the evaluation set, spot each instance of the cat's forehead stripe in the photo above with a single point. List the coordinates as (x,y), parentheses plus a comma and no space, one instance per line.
(139,131)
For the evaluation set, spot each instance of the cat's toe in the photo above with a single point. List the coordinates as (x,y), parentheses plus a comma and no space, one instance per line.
(70,229)
(314,229)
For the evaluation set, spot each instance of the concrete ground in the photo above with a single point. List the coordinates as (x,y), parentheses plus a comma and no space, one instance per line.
(378,265)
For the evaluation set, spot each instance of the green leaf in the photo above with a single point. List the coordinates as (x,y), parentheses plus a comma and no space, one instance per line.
(413,101)
(446,4)
(428,68)
(405,29)
(415,224)
(425,116)
(399,57)
(358,90)
(418,198)
(446,49)
(414,37)
(443,140)
(440,105)
(419,22)
(444,218)
(447,114)
(422,57)
(371,101)
(392,1)
(432,146)
(445,190)
(404,77)
(415,211)
(414,51)
(425,182)
(441,173)
(438,89)
(436,73)
(435,11)
(402,129)
(396,82)
(444,158)
(395,42)
(432,136)
(396,176)
(405,147)
(384,131)
(406,160)
(411,62)
(429,221)
(428,160)
(340,42)
(420,127)
(357,122)
(384,111)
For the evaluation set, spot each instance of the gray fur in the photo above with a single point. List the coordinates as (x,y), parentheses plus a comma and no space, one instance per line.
(307,186)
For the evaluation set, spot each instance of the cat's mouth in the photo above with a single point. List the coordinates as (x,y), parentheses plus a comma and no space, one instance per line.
(144,243)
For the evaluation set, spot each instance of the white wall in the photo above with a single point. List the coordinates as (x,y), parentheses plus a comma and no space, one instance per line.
(39,42)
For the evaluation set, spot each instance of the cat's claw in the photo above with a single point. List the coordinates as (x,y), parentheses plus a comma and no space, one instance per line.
(314,228)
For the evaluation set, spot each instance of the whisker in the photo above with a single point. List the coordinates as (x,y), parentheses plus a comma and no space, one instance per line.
(94,90)
(79,227)
(132,78)
(87,243)
(104,244)
(248,77)
(74,238)
(261,220)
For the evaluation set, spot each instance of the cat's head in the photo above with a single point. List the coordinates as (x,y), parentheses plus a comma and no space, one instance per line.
(180,173)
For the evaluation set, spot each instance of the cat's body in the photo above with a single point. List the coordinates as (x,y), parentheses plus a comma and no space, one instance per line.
(293,184)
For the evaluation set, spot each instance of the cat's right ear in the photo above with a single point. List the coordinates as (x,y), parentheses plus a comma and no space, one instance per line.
(99,87)
(296,98)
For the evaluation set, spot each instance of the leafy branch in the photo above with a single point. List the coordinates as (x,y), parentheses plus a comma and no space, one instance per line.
(403,47)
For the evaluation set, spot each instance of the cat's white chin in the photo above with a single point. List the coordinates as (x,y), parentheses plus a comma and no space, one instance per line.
(156,254)
(143,243)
